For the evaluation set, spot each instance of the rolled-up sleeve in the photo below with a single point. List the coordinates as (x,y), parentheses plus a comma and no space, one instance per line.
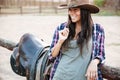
(98,44)
(54,41)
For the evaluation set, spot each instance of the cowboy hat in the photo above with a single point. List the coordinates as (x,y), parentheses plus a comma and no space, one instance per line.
(84,4)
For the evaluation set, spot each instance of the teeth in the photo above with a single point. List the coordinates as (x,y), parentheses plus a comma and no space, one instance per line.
(73,17)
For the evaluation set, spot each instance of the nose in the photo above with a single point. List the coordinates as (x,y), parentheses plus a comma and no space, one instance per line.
(71,11)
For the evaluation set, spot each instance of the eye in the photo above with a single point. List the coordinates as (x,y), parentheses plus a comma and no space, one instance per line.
(76,9)
(69,9)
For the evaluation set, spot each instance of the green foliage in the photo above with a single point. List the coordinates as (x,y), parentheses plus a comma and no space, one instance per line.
(108,13)
(99,3)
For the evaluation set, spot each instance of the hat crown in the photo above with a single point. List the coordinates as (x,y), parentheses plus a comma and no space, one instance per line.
(73,3)
(84,4)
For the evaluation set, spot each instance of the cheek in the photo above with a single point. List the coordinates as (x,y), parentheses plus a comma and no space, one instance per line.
(78,16)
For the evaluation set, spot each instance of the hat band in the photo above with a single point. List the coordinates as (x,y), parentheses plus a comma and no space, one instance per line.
(72,5)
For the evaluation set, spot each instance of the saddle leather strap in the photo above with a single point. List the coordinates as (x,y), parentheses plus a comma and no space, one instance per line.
(27,73)
(34,60)
(17,57)
(47,71)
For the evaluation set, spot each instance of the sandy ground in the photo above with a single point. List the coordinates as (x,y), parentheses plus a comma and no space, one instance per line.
(13,27)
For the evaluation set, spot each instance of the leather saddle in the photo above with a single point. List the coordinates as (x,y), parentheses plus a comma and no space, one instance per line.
(30,58)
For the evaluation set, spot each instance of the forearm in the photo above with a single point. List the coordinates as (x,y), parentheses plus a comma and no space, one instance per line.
(63,34)
(56,49)
(96,61)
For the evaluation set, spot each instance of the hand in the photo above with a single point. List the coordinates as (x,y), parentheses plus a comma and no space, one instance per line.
(63,34)
(92,73)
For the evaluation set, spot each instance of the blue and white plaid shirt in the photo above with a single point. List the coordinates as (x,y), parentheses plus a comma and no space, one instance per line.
(98,51)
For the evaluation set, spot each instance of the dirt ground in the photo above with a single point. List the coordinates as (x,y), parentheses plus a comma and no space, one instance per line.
(13,27)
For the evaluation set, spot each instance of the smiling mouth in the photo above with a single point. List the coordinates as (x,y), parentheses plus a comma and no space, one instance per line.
(73,17)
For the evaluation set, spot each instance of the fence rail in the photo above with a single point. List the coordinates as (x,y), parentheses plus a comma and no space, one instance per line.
(31,5)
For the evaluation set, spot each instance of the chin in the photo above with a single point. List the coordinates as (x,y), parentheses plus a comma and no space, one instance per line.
(74,21)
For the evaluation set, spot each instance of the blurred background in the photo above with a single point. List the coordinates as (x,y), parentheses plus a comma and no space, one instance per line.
(108,7)
(40,17)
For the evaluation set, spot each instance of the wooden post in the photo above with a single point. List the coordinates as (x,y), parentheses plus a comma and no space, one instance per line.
(59,1)
(34,2)
(34,5)
(0,9)
(7,44)
(20,6)
(40,7)
(54,7)
(108,72)
(67,1)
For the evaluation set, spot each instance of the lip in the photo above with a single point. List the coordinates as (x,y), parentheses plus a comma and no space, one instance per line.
(73,17)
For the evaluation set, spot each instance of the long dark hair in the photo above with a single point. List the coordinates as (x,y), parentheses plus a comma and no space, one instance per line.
(84,34)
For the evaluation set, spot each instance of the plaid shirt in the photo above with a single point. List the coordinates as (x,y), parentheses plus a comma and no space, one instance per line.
(97,48)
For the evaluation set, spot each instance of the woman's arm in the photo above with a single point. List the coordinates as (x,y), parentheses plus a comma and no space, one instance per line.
(63,34)
(98,53)
(55,50)
(92,73)
(58,39)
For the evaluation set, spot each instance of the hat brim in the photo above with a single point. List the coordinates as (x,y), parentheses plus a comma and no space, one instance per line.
(91,8)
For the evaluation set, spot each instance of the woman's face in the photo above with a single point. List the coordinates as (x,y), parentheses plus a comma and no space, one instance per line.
(74,14)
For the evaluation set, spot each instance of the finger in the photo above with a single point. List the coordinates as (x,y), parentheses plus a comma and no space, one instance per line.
(62,32)
(88,76)
(63,35)
(96,75)
(93,75)
(67,30)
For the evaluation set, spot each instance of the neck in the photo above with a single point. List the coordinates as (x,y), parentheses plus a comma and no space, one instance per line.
(78,27)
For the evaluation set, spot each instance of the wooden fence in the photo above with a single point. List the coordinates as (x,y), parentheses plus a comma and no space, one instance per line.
(29,5)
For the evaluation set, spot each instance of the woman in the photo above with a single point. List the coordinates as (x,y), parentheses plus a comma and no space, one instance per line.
(77,49)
